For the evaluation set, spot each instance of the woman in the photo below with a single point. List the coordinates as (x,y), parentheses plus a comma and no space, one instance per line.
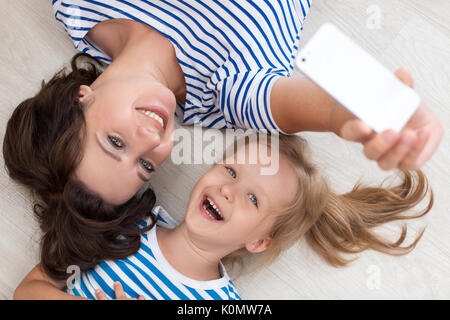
(87,141)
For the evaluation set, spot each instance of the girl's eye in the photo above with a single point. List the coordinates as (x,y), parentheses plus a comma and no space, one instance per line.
(147,165)
(253,199)
(116,142)
(231,172)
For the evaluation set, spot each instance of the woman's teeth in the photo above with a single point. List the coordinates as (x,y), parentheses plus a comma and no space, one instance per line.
(153,116)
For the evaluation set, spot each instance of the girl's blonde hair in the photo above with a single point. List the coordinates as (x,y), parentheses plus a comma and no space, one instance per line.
(336,224)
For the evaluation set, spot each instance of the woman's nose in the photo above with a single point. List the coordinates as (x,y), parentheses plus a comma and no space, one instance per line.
(148,138)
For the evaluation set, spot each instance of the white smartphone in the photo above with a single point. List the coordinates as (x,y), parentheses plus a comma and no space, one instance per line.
(357,80)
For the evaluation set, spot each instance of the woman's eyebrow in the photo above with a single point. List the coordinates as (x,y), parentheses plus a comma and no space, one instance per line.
(117,158)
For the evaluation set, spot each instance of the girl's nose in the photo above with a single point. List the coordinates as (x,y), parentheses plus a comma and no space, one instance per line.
(227,192)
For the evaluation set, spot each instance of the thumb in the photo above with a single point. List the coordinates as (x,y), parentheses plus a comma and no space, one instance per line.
(357,130)
(404,76)
(100,295)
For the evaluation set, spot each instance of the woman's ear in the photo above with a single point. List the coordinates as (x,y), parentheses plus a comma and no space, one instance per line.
(84,93)
(259,245)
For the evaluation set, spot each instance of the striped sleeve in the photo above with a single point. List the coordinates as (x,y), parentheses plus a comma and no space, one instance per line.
(245,100)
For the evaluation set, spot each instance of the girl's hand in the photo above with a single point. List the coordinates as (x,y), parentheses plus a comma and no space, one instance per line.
(407,150)
(118,290)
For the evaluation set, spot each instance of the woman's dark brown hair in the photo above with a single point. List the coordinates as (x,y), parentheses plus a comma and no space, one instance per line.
(42,147)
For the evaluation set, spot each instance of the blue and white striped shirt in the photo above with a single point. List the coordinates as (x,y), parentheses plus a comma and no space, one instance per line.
(231,51)
(148,273)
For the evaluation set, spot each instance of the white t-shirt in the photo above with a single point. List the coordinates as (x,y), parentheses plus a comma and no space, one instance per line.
(149,274)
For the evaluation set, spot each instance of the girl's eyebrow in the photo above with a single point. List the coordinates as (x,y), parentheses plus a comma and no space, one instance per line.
(117,157)
(262,194)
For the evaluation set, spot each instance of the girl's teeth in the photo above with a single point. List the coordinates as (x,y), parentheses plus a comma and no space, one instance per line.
(215,207)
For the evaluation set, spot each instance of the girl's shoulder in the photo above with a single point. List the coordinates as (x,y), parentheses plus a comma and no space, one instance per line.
(164,219)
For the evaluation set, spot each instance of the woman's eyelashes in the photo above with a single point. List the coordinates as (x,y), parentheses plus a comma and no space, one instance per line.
(251,196)
(147,165)
(118,144)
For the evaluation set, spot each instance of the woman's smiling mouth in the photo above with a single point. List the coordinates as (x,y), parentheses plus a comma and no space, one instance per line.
(158,114)
(152,115)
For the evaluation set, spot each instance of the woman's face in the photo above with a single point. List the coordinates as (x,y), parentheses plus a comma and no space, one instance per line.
(245,199)
(129,126)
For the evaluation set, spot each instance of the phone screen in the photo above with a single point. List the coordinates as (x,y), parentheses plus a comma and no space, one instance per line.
(357,80)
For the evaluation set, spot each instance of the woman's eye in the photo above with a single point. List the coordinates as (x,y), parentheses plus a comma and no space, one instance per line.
(116,142)
(147,165)
(231,172)
(253,199)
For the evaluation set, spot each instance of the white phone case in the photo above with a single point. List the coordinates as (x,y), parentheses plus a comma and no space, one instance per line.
(357,80)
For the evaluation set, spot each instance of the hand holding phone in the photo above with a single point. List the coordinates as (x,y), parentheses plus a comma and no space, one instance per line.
(377,97)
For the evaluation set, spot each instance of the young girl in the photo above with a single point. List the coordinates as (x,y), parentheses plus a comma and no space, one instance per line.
(234,209)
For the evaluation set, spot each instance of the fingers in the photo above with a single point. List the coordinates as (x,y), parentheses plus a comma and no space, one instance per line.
(375,148)
(120,293)
(404,76)
(118,290)
(402,152)
(100,295)
(410,161)
(396,154)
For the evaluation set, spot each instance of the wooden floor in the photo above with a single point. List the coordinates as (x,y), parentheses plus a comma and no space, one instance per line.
(410,33)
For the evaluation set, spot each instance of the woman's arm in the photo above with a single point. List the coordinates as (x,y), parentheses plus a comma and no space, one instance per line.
(297,104)
(38,286)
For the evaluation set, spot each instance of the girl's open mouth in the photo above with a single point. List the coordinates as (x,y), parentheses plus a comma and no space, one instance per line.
(211,209)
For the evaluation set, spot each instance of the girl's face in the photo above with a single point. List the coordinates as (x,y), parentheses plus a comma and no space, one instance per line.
(129,124)
(244,200)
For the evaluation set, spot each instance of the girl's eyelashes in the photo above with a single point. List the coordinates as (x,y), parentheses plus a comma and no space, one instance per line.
(253,199)
(251,196)
(147,165)
(116,142)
